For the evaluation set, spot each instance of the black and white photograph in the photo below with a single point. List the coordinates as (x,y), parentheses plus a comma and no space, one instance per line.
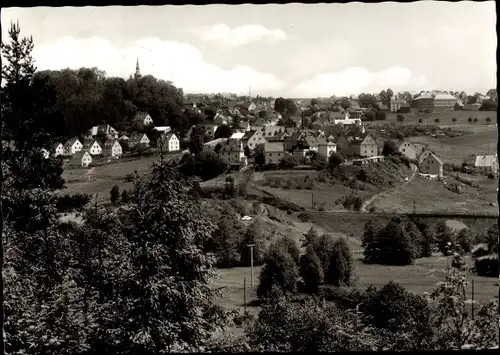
(296,177)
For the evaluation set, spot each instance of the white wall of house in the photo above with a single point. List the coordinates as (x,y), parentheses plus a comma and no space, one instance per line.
(95,149)
(173,144)
(59,150)
(273,157)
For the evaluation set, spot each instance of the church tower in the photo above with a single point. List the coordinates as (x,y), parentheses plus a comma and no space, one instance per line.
(137,70)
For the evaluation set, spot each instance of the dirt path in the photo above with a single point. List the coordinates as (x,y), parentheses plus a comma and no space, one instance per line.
(371,199)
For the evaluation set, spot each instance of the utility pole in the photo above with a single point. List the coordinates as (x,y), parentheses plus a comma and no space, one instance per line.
(312,200)
(472,300)
(2,333)
(245,294)
(414,207)
(251,264)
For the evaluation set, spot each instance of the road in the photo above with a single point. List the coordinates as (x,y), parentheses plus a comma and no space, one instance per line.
(371,199)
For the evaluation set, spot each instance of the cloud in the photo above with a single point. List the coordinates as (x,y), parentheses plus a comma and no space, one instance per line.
(355,80)
(240,35)
(180,63)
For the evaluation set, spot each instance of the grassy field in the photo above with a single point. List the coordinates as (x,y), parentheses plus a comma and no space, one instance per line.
(455,150)
(432,196)
(445,118)
(101,179)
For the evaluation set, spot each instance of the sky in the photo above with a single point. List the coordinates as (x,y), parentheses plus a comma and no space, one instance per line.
(293,50)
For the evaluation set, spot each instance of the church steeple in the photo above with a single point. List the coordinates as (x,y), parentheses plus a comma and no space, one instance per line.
(137,70)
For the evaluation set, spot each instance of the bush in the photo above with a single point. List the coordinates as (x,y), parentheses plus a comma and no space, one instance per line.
(436,120)
(488,119)
(288,162)
(469,119)
(400,118)
(290,246)
(340,265)
(465,238)
(475,119)
(420,120)
(114,193)
(125,196)
(352,202)
(389,148)
(334,160)
(344,297)
(209,165)
(454,119)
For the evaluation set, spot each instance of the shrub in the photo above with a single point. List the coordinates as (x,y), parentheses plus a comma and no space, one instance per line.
(469,119)
(334,160)
(475,119)
(420,120)
(400,118)
(488,119)
(454,119)
(114,193)
(125,196)
(445,238)
(290,246)
(130,177)
(229,187)
(352,202)
(465,238)
(343,297)
(280,271)
(389,148)
(209,165)
(436,120)
(311,271)
(288,162)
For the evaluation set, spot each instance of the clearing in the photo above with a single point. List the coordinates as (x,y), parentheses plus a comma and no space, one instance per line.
(455,150)
(433,196)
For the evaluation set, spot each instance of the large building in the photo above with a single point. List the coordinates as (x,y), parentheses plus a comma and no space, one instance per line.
(444,101)
(423,102)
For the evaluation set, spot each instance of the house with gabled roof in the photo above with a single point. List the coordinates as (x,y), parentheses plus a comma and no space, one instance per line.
(143,118)
(364,146)
(163,129)
(72,146)
(252,138)
(169,143)
(82,158)
(326,147)
(233,154)
(430,164)
(138,139)
(57,149)
(273,152)
(406,148)
(483,164)
(112,148)
(92,146)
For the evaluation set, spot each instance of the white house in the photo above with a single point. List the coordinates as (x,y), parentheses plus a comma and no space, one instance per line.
(143,118)
(82,158)
(253,138)
(72,146)
(326,148)
(138,139)
(58,149)
(350,121)
(232,153)
(163,129)
(169,143)
(112,148)
(93,147)
(273,152)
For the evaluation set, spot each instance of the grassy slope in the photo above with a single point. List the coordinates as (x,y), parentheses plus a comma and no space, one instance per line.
(445,118)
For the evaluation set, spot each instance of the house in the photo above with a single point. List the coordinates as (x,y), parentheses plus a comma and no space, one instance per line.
(395,104)
(404,108)
(103,129)
(278,137)
(143,118)
(163,129)
(406,148)
(310,142)
(431,164)
(273,152)
(169,143)
(82,158)
(364,146)
(57,149)
(290,141)
(423,102)
(342,143)
(252,107)
(459,105)
(92,146)
(72,146)
(270,131)
(382,107)
(237,135)
(444,101)
(471,107)
(244,126)
(484,164)
(138,139)
(252,138)
(222,118)
(124,138)
(327,148)
(45,153)
(112,148)
(212,144)
(233,154)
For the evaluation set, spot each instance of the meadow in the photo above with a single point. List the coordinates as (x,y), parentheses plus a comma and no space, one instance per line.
(445,118)
(433,196)
(100,179)
(454,150)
